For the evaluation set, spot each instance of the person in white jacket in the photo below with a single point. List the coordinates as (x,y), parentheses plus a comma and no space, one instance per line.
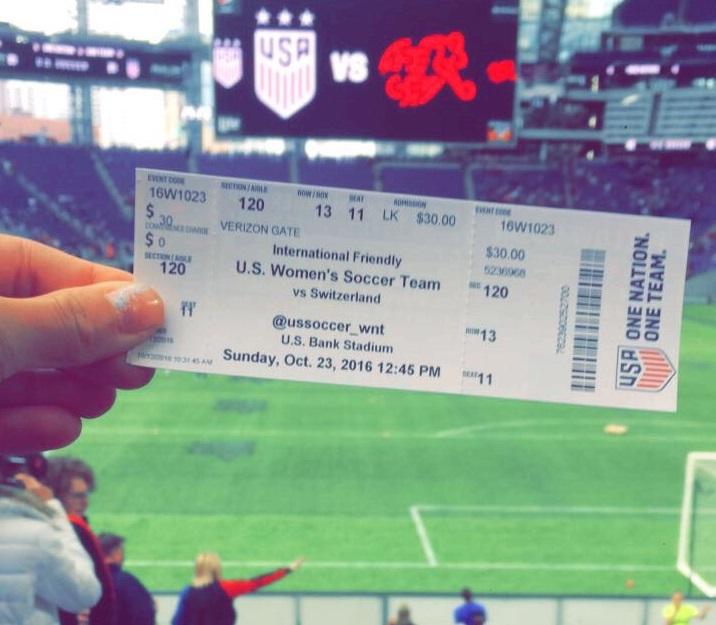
(43,567)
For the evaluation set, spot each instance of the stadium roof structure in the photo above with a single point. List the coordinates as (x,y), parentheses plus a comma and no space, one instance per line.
(597,61)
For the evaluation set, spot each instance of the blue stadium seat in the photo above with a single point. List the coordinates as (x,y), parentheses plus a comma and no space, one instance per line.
(700,12)
(121,164)
(67,175)
(273,168)
(437,181)
(22,215)
(531,185)
(351,173)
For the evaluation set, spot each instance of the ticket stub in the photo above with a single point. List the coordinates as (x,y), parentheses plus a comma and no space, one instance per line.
(320,284)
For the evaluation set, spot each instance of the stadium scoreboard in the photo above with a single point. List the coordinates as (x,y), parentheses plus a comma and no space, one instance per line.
(38,57)
(411,70)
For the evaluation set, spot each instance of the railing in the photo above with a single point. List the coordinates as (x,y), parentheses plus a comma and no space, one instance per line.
(376,609)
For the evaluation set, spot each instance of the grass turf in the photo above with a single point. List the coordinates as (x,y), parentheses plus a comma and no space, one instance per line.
(265,471)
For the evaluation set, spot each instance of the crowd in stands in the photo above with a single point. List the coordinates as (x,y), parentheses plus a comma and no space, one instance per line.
(82,199)
(564,114)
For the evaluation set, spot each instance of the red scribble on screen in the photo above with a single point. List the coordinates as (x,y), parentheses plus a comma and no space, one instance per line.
(418,73)
(502,71)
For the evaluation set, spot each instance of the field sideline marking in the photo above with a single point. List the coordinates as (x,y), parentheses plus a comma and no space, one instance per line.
(550,509)
(493,426)
(484,566)
(423,536)
(487,427)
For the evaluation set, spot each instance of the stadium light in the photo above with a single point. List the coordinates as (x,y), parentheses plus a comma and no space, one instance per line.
(339,149)
(632,98)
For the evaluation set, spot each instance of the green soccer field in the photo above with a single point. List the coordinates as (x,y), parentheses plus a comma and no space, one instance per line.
(396,491)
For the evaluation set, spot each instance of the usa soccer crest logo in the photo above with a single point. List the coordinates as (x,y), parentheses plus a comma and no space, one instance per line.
(285,61)
(228,63)
(643,369)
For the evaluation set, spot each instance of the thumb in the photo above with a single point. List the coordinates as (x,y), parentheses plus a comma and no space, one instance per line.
(76,326)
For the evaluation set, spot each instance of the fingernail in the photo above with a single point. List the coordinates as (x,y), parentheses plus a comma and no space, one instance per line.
(139,306)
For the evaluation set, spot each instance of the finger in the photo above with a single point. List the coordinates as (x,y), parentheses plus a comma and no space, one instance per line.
(36,428)
(28,268)
(27,480)
(114,372)
(75,327)
(56,388)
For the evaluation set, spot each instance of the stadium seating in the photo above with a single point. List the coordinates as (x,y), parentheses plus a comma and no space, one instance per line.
(533,185)
(70,201)
(613,187)
(646,12)
(351,173)
(429,179)
(81,216)
(21,215)
(121,163)
(700,12)
(260,167)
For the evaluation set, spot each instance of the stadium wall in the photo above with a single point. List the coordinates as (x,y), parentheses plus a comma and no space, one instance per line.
(372,609)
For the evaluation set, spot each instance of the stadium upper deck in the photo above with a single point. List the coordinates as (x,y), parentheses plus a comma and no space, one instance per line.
(81,199)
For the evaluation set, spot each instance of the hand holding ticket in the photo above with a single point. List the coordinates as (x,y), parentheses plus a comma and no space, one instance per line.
(376,289)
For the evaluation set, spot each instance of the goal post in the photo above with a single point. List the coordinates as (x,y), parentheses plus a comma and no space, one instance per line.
(696,559)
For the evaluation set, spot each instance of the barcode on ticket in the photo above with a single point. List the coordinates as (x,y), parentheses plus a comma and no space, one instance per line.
(586,324)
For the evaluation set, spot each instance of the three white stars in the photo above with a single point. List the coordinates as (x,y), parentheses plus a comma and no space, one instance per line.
(285,18)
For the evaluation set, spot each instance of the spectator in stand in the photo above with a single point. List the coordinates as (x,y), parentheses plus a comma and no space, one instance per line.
(680,613)
(470,612)
(42,564)
(403,617)
(72,480)
(135,606)
(65,327)
(210,599)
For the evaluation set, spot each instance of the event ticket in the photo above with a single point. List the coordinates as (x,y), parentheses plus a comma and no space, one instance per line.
(319,284)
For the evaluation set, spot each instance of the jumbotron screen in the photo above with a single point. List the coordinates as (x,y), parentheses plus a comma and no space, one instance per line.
(37,56)
(406,70)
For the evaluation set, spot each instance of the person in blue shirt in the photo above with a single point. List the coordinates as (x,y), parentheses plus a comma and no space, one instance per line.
(470,612)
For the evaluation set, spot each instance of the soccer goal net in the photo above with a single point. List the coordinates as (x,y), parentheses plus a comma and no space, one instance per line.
(697,533)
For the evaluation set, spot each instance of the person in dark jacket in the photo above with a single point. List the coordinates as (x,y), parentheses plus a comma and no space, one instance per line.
(209,600)
(72,481)
(135,606)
